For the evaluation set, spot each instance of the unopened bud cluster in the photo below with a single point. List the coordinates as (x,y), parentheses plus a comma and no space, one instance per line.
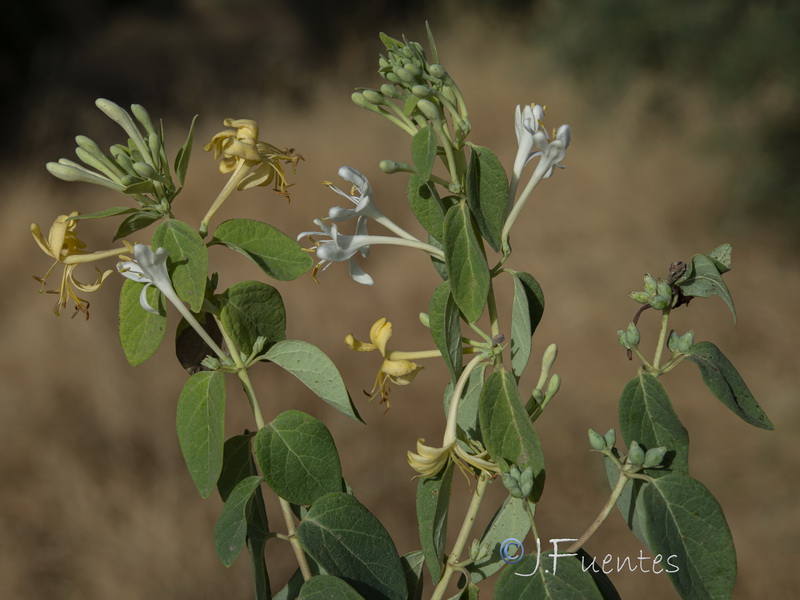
(519,483)
(680,344)
(600,443)
(657,293)
(648,460)
(629,338)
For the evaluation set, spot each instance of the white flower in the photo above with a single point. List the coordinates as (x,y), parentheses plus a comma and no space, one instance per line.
(150,268)
(365,207)
(527,121)
(552,151)
(340,248)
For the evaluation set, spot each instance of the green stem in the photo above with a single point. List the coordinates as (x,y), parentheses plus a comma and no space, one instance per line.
(662,336)
(512,216)
(452,414)
(288,517)
(491,306)
(461,540)
(612,500)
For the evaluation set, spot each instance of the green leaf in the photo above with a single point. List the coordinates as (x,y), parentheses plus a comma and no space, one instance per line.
(350,543)
(328,587)
(466,264)
(702,279)
(549,575)
(109,212)
(135,222)
(686,526)
(190,348)
(467,417)
(390,42)
(237,464)
(426,205)
(201,420)
(506,428)
(629,501)
(250,309)
(423,151)
(526,313)
(445,324)
(278,255)
(184,154)
(311,366)
(487,194)
(140,332)
(727,385)
(510,521)
(187,261)
(721,255)
(433,504)
(298,457)
(646,416)
(231,528)
(412,566)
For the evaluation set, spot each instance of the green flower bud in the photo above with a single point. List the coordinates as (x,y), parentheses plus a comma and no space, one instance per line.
(359,100)
(390,91)
(526,482)
(663,289)
(596,441)
(421,91)
(373,97)
(685,342)
(407,52)
(654,457)
(640,297)
(474,550)
(672,341)
(635,454)
(405,76)
(650,284)
(425,319)
(146,171)
(632,336)
(623,339)
(511,482)
(549,357)
(391,76)
(383,63)
(429,110)
(553,386)
(437,71)
(415,71)
(258,345)
(659,302)
(610,437)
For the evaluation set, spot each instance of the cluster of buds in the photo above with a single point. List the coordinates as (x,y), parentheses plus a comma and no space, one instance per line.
(629,338)
(417,91)
(680,344)
(650,459)
(600,443)
(139,169)
(657,293)
(519,482)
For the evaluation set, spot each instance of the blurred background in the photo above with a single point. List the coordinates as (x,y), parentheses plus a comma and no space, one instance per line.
(686,130)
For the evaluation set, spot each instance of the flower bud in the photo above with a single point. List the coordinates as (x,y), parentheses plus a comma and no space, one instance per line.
(610,437)
(640,297)
(413,69)
(553,386)
(596,441)
(663,289)
(437,71)
(407,52)
(425,319)
(549,357)
(383,63)
(429,110)
(632,336)
(635,454)
(421,91)
(654,457)
(672,341)
(526,481)
(659,302)
(390,91)
(358,99)
(623,339)
(685,342)
(405,75)
(373,97)
(650,284)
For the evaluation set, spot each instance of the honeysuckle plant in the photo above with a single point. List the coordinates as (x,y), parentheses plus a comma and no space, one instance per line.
(466,206)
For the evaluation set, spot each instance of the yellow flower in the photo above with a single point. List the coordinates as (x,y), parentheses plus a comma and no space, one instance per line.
(394,369)
(63,245)
(240,148)
(428,461)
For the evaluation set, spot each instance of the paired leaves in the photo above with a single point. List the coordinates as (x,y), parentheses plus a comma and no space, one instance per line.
(703,277)
(250,309)
(140,331)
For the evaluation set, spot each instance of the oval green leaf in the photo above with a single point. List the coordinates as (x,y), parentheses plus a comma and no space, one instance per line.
(275,253)
(298,457)
(187,261)
(526,313)
(554,577)
(423,151)
(140,332)
(433,504)
(686,526)
(250,309)
(445,324)
(350,543)
(426,205)
(327,587)
(727,385)
(230,531)
(201,428)
(466,265)
(311,366)
(510,521)
(487,194)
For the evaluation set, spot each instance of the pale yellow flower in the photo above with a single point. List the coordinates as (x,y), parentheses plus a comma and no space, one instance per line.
(240,148)
(394,369)
(63,245)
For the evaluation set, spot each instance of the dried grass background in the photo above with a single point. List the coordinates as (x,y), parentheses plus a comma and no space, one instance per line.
(96,502)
